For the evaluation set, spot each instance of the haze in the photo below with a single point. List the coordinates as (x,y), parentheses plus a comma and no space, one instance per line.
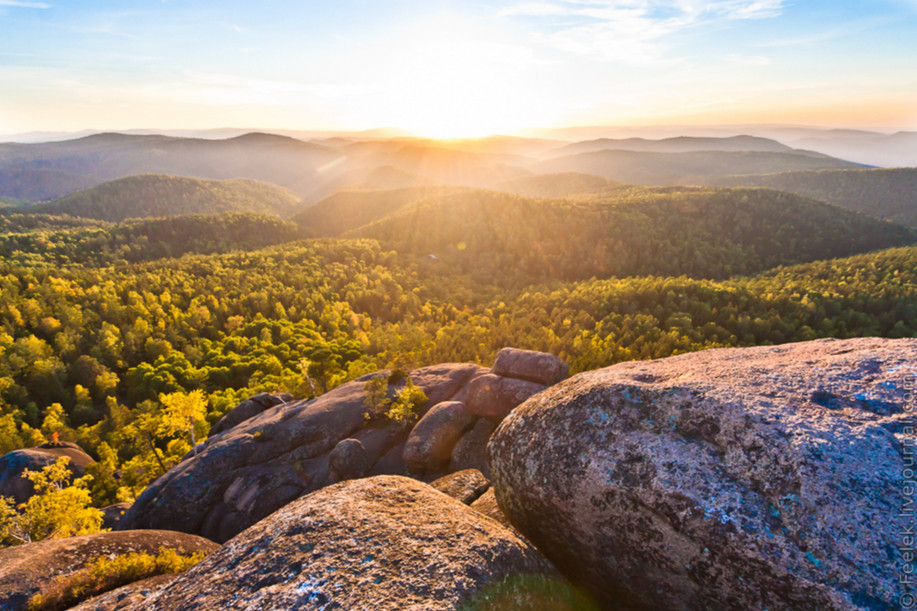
(449,68)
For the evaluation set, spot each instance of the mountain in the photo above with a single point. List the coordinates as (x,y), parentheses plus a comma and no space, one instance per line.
(565,184)
(885,150)
(889,194)
(711,233)
(156,195)
(699,167)
(27,238)
(680,144)
(37,172)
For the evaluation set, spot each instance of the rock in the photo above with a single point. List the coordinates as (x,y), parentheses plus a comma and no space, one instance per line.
(539,367)
(247,409)
(470,452)
(429,446)
(349,459)
(126,596)
(28,569)
(751,478)
(487,505)
(252,469)
(12,464)
(384,542)
(112,514)
(464,486)
(493,397)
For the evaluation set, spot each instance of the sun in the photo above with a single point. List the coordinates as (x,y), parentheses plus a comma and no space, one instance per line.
(447,82)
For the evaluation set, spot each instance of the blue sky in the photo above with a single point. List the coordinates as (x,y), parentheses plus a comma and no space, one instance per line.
(455,68)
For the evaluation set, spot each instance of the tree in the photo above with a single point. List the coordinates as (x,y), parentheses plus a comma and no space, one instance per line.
(56,510)
(182,412)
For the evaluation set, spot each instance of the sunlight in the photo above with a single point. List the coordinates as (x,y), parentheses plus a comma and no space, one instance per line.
(450,84)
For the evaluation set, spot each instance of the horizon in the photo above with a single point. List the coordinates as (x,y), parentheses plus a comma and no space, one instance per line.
(458,70)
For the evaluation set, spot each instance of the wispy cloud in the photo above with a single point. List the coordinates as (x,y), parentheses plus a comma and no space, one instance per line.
(24,4)
(631,31)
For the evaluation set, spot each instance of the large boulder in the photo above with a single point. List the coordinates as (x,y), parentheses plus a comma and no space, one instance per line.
(13,464)
(429,446)
(493,397)
(30,568)
(539,367)
(261,463)
(125,597)
(384,542)
(757,478)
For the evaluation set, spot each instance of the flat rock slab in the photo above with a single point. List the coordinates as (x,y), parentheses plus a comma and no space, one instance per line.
(464,486)
(27,569)
(757,478)
(384,542)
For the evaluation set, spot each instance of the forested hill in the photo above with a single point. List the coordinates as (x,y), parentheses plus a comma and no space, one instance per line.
(352,208)
(711,233)
(157,195)
(691,168)
(889,194)
(561,186)
(39,239)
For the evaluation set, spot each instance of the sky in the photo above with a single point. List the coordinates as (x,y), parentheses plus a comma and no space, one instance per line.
(455,68)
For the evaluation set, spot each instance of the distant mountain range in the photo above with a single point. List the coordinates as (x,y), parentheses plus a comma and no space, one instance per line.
(313,170)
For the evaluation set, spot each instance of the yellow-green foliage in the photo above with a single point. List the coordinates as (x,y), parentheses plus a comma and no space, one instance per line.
(402,409)
(56,510)
(104,574)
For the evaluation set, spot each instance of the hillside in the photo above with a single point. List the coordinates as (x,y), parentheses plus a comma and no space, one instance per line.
(567,184)
(711,233)
(352,208)
(889,194)
(37,172)
(36,238)
(648,168)
(156,195)
(679,144)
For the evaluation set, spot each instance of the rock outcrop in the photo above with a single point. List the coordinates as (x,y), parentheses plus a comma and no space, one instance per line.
(249,408)
(384,542)
(28,569)
(127,596)
(266,460)
(12,465)
(770,477)
(464,486)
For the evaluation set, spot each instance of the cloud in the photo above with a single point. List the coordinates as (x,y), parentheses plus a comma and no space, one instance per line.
(630,31)
(24,4)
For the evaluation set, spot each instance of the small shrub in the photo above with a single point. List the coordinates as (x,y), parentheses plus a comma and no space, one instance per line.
(104,574)
(402,409)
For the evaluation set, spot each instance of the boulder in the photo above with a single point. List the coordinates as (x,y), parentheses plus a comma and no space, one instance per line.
(770,477)
(384,542)
(487,504)
(429,446)
(539,367)
(249,408)
(12,465)
(349,459)
(470,452)
(464,486)
(30,568)
(493,397)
